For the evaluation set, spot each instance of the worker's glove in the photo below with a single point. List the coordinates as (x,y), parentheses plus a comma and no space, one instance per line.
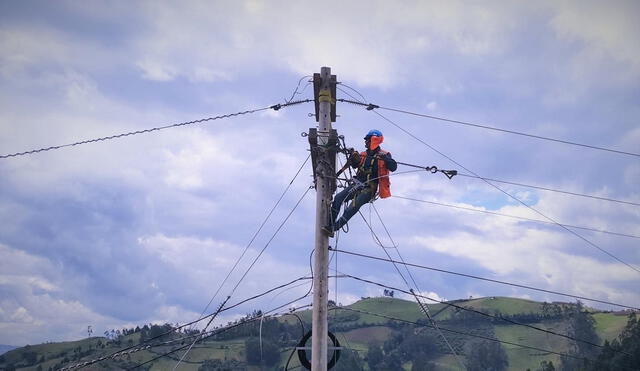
(354,158)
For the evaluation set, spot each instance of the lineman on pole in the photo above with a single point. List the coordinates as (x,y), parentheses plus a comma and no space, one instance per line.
(372,177)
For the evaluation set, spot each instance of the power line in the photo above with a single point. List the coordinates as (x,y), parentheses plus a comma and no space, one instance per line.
(145,345)
(117,136)
(500,317)
(255,260)
(205,329)
(507,193)
(270,240)
(489,280)
(212,333)
(372,107)
(245,250)
(296,92)
(515,216)
(255,234)
(471,335)
(424,308)
(550,189)
(466,123)
(451,173)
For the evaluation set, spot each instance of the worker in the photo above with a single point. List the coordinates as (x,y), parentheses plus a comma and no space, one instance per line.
(372,177)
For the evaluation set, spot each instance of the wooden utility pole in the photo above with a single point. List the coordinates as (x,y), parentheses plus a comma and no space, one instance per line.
(324,180)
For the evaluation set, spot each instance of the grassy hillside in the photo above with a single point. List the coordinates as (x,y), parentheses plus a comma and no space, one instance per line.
(5,348)
(354,330)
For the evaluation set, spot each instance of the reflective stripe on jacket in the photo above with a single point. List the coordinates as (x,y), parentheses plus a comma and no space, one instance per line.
(384,185)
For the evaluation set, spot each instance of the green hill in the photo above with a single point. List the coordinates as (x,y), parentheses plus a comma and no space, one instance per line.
(355,330)
(5,348)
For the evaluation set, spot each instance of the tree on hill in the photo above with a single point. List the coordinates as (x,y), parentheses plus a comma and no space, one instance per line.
(421,363)
(486,356)
(220,365)
(623,352)
(270,352)
(349,361)
(581,326)
(546,366)
(374,356)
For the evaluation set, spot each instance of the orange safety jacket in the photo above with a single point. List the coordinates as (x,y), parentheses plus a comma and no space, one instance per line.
(384,184)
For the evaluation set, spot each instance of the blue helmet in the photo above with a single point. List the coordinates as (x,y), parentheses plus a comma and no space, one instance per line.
(373,133)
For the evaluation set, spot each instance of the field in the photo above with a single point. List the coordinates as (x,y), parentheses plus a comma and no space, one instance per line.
(354,330)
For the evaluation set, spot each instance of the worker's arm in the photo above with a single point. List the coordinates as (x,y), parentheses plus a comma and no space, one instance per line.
(391,164)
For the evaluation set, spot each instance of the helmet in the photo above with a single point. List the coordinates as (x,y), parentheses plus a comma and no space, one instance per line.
(375,137)
(373,133)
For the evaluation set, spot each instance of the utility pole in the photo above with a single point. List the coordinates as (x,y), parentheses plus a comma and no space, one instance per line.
(324,169)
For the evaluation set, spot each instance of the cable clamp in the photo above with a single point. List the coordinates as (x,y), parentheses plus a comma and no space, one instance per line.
(372,106)
(450,173)
(276,107)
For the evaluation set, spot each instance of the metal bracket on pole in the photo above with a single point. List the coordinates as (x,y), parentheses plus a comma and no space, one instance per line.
(317,151)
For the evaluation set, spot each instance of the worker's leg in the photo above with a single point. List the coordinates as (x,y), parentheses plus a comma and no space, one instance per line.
(338,200)
(362,198)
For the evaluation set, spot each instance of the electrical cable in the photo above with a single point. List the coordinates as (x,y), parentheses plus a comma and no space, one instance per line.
(500,317)
(551,189)
(246,248)
(453,173)
(270,240)
(255,260)
(491,280)
(213,333)
(443,119)
(515,216)
(145,345)
(424,308)
(473,335)
(305,295)
(205,329)
(295,92)
(144,131)
(508,194)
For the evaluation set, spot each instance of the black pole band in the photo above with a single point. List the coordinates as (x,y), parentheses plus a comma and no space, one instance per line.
(302,353)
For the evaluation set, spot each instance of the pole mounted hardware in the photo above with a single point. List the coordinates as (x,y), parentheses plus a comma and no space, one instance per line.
(324,95)
(301,349)
(325,154)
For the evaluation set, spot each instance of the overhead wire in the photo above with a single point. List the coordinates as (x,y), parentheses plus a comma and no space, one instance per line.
(589,242)
(452,173)
(499,317)
(474,335)
(568,295)
(255,260)
(211,334)
(551,189)
(270,240)
(144,131)
(296,92)
(540,137)
(147,343)
(514,216)
(255,234)
(424,308)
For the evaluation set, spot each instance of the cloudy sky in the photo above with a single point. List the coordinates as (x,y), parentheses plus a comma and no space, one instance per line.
(144,228)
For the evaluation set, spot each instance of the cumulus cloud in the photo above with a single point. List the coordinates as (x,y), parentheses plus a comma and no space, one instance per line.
(155,219)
